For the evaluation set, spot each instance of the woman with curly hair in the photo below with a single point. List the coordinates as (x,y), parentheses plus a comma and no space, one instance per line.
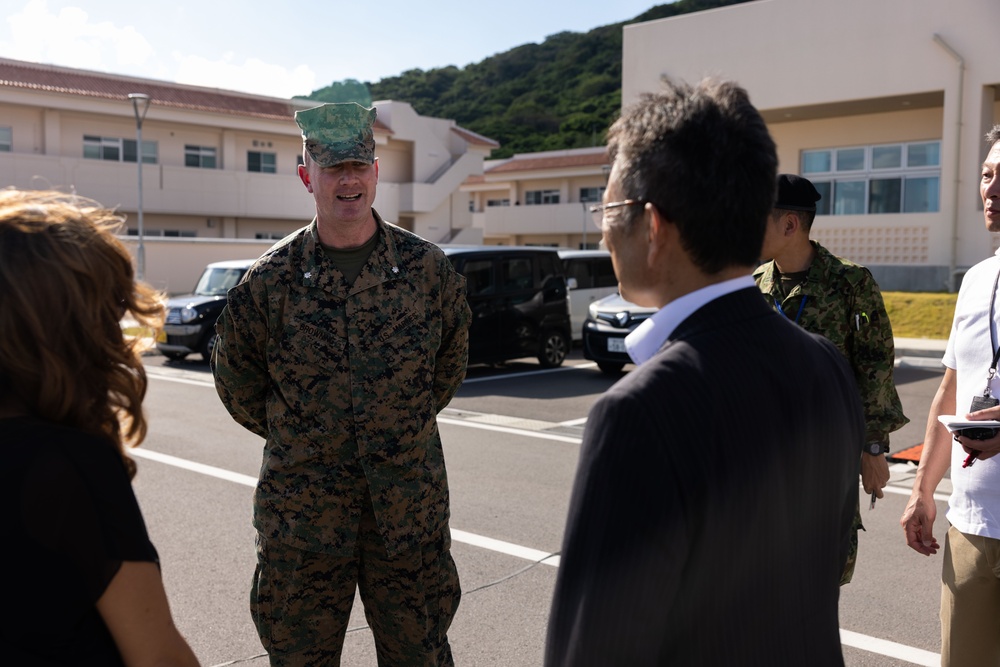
(82,577)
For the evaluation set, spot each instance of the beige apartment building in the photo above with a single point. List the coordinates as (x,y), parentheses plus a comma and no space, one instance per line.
(539,198)
(216,164)
(882,103)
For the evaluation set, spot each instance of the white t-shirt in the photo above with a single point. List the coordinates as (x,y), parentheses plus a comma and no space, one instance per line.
(974,506)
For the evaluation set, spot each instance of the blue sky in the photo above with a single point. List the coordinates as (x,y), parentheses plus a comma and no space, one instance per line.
(282,48)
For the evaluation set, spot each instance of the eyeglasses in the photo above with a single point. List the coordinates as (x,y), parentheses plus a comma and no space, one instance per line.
(597,212)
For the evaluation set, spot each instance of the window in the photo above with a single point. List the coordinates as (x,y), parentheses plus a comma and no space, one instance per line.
(269,236)
(176,233)
(541,197)
(149,152)
(498,202)
(518,273)
(199,156)
(265,163)
(885,178)
(102,148)
(6,139)
(117,150)
(478,276)
(591,194)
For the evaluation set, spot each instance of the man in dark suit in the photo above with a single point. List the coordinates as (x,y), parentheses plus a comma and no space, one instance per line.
(710,516)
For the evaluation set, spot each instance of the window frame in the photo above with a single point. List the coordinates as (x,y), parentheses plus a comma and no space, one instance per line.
(865,190)
(543,197)
(118,149)
(201,155)
(262,167)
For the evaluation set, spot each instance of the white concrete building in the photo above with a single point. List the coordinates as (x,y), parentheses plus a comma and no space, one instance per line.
(539,198)
(882,103)
(216,163)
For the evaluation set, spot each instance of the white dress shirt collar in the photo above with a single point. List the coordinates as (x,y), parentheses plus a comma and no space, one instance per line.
(650,336)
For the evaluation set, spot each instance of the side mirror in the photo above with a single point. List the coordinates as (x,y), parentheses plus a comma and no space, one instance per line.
(571,283)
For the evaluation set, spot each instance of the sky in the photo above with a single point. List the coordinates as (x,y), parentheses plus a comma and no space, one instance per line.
(285,49)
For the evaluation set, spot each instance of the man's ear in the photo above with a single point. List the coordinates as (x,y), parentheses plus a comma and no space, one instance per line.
(791,223)
(660,234)
(304,177)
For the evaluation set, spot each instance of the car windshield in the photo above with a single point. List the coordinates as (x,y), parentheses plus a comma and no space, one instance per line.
(216,282)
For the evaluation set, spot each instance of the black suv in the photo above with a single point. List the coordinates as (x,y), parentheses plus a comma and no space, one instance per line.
(190,324)
(519,302)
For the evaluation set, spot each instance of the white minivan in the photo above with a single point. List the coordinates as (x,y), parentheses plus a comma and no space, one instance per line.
(589,277)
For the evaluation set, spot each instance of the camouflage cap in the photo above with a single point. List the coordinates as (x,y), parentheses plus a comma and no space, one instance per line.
(335,133)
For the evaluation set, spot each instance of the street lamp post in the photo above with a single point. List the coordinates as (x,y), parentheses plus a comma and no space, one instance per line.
(139,100)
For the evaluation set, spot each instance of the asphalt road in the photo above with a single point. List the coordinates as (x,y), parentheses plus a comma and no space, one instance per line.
(511,440)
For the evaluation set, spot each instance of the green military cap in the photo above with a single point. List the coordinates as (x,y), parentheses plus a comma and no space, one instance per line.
(339,132)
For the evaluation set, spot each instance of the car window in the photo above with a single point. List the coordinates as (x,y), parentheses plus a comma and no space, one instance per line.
(479,277)
(580,270)
(517,273)
(549,265)
(604,273)
(216,282)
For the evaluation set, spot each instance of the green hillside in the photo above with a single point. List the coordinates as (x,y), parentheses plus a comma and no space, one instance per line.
(562,93)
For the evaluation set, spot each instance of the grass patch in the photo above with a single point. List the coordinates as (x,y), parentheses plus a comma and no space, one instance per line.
(920,314)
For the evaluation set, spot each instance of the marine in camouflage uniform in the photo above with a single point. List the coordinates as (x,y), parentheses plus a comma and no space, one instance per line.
(841,301)
(344,379)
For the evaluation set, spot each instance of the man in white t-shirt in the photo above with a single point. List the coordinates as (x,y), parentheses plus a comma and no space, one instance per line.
(970,579)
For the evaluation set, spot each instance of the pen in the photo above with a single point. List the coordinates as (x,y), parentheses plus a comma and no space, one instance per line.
(872,506)
(970,459)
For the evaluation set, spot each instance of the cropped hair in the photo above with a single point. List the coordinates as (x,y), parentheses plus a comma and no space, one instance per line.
(993,136)
(702,155)
(805,217)
(66,283)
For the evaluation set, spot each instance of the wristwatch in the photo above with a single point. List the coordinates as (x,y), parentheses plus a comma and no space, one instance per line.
(876,448)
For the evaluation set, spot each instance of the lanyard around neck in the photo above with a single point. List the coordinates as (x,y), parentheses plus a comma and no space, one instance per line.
(798,315)
(993,337)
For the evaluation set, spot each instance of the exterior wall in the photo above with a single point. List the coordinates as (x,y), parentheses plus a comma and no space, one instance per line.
(422,161)
(567,224)
(835,73)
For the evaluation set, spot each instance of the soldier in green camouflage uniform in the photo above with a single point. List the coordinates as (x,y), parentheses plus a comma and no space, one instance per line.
(840,300)
(339,348)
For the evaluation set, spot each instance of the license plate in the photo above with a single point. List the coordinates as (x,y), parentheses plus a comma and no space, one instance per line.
(616,345)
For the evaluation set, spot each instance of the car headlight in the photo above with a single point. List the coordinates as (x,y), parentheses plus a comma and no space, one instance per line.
(592,309)
(188,314)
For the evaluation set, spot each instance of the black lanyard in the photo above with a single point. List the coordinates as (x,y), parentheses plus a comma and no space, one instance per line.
(993,338)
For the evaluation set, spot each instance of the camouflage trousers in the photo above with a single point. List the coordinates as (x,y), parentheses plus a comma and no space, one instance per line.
(852,553)
(301,601)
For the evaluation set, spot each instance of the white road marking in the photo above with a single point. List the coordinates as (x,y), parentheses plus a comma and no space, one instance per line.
(523,374)
(211,471)
(885,647)
(506,429)
(891,649)
(516,550)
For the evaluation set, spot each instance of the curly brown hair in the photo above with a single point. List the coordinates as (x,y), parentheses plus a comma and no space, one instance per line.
(66,283)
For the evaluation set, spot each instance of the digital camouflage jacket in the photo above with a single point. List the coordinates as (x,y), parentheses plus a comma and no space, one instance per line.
(344,384)
(843,303)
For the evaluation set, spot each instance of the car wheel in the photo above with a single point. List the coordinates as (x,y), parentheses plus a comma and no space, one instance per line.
(610,367)
(208,346)
(555,346)
(175,356)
